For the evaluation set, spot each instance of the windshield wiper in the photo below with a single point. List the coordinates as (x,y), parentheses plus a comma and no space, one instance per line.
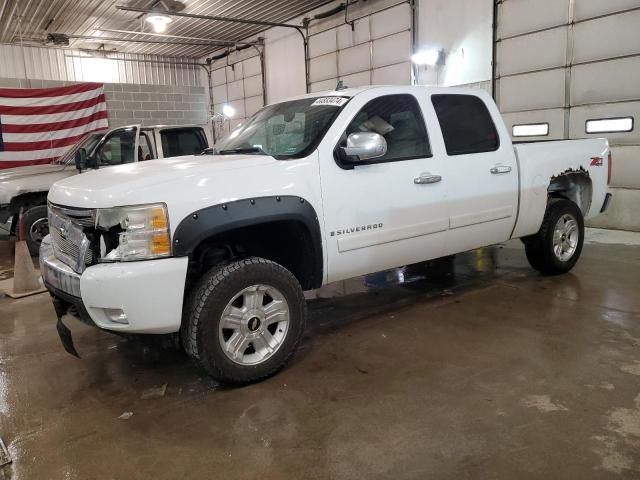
(243,150)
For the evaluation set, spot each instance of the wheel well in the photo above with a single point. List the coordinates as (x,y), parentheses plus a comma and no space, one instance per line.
(287,242)
(27,200)
(575,186)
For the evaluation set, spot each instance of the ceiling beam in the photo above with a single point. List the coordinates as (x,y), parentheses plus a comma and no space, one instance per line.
(114,39)
(165,35)
(210,17)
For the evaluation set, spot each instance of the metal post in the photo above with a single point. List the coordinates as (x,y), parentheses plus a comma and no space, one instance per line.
(494,52)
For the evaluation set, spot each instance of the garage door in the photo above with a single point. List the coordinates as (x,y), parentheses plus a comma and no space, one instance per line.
(375,49)
(238,83)
(569,69)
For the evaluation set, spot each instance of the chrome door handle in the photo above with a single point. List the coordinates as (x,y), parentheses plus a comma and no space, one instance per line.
(426,179)
(499,169)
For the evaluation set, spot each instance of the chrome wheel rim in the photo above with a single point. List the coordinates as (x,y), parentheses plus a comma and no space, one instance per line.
(39,229)
(254,325)
(565,237)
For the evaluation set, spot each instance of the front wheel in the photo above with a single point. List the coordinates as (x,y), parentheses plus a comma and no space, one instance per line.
(36,227)
(244,320)
(556,248)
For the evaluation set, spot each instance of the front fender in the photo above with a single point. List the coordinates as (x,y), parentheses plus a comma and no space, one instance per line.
(216,219)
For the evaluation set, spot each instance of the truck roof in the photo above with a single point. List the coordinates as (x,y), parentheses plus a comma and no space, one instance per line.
(185,125)
(352,92)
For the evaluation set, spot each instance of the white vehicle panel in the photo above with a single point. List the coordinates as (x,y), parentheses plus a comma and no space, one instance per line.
(482,205)
(410,220)
(190,183)
(31,179)
(540,162)
(150,293)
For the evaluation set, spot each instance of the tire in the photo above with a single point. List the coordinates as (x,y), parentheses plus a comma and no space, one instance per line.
(556,248)
(244,320)
(36,227)
(534,255)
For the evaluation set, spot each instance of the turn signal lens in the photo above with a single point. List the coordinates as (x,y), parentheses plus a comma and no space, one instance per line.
(158,218)
(160,245)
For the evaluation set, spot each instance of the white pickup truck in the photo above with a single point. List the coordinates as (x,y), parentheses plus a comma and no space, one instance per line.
(308,191)
(27,187)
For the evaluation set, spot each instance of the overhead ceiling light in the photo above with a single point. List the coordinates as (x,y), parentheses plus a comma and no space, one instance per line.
(159,21)
(429,58)
(228,111)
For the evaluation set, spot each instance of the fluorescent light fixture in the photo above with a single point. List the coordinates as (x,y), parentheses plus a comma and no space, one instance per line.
(159,21)
(610,125)
(531,130)
(429,58)
(228,111)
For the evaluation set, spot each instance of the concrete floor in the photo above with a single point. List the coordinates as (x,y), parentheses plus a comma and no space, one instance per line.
(482,369)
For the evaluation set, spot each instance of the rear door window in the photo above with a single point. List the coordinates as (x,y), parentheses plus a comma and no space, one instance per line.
(467,126)
(182,141)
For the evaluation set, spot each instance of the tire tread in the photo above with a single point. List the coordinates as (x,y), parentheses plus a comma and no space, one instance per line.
(193,319)
(538,247)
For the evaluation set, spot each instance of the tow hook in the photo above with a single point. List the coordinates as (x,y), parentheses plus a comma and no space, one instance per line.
(61,307)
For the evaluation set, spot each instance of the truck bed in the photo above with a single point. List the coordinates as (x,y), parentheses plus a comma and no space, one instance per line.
(540,162)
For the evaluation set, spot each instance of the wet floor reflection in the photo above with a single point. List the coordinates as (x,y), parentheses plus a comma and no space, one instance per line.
(340,303)
(469,336)
(439,273)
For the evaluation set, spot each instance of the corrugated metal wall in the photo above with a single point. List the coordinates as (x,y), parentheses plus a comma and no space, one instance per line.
(563,63)
(78,66)
(375,51)
(238,81)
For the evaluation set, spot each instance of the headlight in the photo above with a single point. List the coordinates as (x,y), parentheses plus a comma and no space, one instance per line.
(142,232)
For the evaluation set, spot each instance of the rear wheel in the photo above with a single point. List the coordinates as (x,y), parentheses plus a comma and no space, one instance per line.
(36,227)
(556,248)
(244,320)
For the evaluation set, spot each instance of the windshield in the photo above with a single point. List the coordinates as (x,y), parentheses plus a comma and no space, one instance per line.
(88,143)
(285,130)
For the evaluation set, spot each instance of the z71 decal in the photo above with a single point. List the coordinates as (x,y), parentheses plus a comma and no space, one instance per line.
(597,161)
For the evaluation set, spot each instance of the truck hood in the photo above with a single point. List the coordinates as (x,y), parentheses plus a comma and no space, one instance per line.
(31,179)
(20,172)
(151,181)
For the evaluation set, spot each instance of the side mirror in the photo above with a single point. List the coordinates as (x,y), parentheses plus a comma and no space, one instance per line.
(81,159)
(365,146)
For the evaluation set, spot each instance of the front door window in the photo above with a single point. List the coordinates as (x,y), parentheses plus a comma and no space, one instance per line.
(117,148)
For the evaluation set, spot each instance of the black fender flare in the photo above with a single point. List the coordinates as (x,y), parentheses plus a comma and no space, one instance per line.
(207,222)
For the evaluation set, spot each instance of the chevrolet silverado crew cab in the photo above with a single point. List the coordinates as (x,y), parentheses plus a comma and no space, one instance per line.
(27,187)
(320,188)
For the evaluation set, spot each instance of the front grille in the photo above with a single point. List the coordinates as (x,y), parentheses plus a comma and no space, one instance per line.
(67,235)
(67,248)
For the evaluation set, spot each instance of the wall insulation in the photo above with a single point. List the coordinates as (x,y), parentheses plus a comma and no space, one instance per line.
(39,63)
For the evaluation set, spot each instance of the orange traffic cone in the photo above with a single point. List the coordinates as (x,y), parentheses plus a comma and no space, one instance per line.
(26,281)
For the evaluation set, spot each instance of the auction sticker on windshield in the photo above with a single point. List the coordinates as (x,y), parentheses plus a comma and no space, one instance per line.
(332,101)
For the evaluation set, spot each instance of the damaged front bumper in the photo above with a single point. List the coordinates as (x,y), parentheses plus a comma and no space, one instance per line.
(142,297)
(64,286)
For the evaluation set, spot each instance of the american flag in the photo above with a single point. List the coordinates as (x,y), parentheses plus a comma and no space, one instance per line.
(37,125)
